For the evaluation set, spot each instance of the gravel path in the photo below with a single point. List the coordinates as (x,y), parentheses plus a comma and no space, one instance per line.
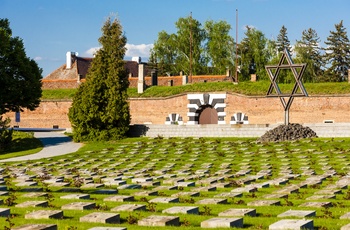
(55,144)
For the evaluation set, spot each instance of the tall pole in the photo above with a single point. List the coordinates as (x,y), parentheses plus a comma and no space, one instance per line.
(190,77)
(236,72)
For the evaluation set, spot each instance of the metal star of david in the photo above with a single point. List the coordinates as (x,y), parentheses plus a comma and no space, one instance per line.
(297,70)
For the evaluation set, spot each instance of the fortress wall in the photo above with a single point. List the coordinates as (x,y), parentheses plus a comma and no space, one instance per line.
(260,110)
(162,81)
(49,113)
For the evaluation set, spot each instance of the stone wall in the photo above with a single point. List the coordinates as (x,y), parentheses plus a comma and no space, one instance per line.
(260,110)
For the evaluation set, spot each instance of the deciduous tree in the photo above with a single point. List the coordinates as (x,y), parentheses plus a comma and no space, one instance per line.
(163,53)
(254,55)
(219,46)
(189,38)
(20,80)
(20,76)
(192,48)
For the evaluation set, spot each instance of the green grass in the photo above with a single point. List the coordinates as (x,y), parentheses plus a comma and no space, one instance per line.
(58,94)
(145,156)
(246,88)
(23,143)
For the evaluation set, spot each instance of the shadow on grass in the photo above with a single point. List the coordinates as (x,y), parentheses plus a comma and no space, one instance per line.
(22,144)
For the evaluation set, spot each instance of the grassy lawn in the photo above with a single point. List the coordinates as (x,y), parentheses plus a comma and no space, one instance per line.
(24,143)
(246,88)
(229,161)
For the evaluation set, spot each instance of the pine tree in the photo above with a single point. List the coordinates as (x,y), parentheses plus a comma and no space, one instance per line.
(338,53)
(308,51)
(282,40)
(100,110)
(282,43)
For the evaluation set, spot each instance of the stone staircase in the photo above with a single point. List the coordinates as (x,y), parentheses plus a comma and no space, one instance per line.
(239,130)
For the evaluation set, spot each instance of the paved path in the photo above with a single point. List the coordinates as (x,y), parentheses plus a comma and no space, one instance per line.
(55,144)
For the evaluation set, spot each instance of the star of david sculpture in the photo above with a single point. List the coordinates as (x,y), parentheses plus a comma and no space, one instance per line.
(298,90)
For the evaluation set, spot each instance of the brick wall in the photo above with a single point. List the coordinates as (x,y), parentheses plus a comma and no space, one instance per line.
(162,81)
(260,110)
(49,113)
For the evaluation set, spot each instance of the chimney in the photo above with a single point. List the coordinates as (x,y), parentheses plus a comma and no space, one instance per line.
(70,57)
(68,60)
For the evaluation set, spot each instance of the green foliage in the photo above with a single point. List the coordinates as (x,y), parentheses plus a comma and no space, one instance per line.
(213,51)
(100,110)
(189,50)
(282,40)
(338,53)
(20,79)
(5,134)
(254,55)
(163,53)
(192,48)
(219,46)
(308,51)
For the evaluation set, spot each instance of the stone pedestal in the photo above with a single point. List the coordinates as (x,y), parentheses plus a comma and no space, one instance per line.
(253,78)
(141,79)
(184,80)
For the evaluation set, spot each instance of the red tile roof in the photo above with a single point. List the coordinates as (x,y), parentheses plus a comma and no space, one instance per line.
(81,65)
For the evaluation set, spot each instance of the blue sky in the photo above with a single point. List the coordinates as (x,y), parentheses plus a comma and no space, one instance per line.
(50,28)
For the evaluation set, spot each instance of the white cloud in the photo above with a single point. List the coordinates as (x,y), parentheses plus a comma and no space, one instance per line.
(142,50)
(91,52)
(38,58)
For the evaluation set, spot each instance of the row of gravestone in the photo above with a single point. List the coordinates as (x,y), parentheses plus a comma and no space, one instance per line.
(255,185)
(228,218)
(206,172)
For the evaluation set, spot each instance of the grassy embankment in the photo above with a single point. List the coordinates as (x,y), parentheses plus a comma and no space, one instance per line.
(246,88)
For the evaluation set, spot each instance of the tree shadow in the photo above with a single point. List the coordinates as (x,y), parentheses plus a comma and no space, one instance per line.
(23,144)
(137,130)
(53,141)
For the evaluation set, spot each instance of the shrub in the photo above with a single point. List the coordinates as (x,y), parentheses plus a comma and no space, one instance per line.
(5,133)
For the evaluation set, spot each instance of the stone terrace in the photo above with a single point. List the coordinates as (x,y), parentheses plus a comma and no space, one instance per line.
(185,183)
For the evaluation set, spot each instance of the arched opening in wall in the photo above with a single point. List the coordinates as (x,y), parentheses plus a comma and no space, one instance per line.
(207,115)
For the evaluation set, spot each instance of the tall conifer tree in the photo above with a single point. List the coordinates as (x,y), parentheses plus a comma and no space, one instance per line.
(338,53)
(282,40)
(308,51)
(100,110)
(282,43)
